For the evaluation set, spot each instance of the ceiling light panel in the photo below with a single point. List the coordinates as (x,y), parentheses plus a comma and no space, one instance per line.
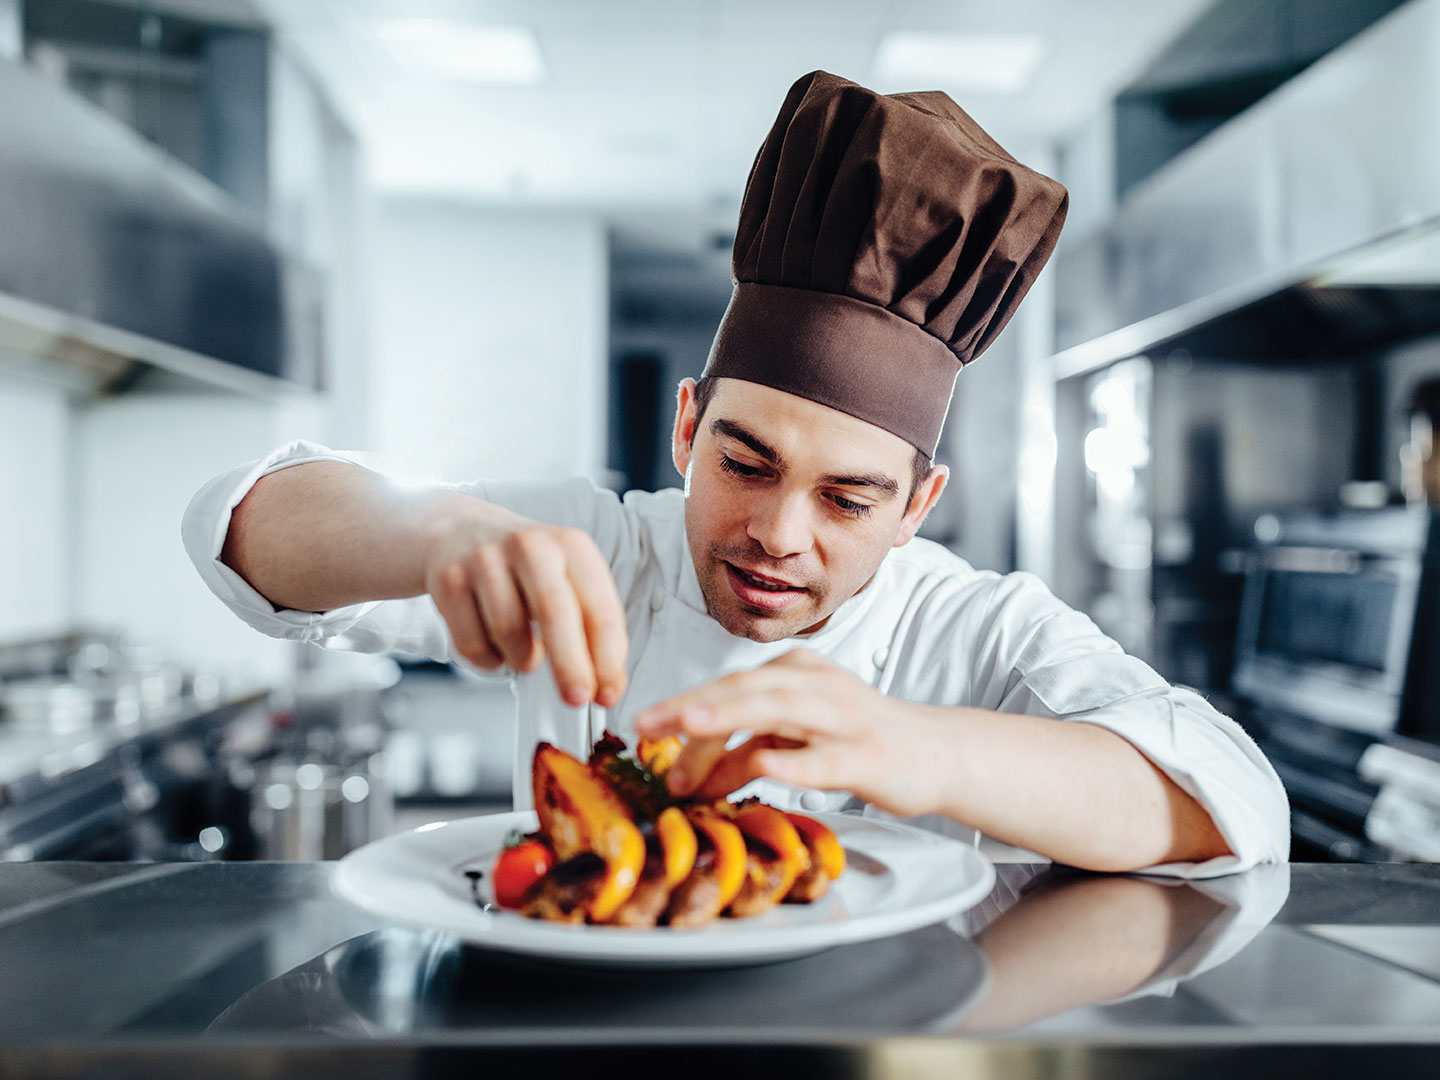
(986,63)
(440,49)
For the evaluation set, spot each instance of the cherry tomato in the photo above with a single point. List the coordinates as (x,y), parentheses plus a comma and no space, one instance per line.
(518,868)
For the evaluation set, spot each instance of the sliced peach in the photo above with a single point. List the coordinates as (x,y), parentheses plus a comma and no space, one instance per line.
(822,842)
(579,813)
(678,844)
(773,829)
(658,755)
(729,852)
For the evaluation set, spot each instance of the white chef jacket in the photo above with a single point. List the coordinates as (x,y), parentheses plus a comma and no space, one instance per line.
(928,628)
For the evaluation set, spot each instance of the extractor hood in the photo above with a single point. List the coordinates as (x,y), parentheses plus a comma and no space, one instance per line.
(119,266)
(1306,227)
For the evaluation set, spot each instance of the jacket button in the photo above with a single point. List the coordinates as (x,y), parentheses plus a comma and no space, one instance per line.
(881,657)
(657,599)
(812,800)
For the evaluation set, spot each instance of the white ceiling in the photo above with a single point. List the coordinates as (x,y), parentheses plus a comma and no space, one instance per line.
(654,104)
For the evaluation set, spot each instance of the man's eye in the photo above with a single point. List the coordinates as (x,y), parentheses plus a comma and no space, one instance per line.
(730,465)
(850,506)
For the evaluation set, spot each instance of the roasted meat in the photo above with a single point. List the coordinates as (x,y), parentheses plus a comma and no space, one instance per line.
(698,899)
(567,892)
(809,886)
(767,880)
(647,903)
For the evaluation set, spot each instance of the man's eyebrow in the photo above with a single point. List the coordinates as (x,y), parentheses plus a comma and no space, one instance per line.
(888,486)
(730,429)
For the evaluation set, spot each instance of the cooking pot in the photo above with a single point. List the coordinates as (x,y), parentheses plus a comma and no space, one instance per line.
(48,705)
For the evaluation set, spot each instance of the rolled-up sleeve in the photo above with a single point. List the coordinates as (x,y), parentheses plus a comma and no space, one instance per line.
(1061,665)
(411,625)
(405,625)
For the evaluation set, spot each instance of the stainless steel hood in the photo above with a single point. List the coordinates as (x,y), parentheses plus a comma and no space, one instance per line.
(118,264)
(1308,226)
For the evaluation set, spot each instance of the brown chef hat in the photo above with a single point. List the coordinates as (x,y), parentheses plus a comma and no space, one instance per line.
(884,241)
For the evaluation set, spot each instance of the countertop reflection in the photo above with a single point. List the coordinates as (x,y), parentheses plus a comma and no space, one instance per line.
(212,953)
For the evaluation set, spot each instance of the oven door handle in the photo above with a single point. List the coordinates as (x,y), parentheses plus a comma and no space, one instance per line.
(1310,560)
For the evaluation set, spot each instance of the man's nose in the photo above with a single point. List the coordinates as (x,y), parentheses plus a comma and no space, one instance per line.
(782,526)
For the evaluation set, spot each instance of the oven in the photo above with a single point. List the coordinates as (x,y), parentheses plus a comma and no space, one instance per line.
(1323,652)
(1327,614)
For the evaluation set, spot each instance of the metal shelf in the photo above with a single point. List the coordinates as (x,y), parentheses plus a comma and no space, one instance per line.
(88,358)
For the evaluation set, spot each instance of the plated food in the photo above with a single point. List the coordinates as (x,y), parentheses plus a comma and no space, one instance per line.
(897,878)
(613,846)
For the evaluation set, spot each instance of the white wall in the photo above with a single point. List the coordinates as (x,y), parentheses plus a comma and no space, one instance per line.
(489,356)
(138,460)
(34,510)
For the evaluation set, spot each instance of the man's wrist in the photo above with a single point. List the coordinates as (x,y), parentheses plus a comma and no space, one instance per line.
(936,750)
(448,521)
(956,754)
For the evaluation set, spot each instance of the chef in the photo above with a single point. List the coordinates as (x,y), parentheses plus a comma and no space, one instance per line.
(779,611)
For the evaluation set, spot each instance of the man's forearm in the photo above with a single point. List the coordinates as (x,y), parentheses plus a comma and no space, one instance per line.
(326,534)
(512,592)
(1075,792)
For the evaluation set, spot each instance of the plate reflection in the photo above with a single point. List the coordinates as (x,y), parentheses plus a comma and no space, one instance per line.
(398,982)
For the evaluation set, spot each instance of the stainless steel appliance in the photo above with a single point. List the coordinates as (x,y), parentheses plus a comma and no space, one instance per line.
(109,753)
(1327,614)
(318,810)
(1324,650)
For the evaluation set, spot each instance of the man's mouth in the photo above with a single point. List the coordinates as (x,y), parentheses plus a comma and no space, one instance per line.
(761,591)
(761,581)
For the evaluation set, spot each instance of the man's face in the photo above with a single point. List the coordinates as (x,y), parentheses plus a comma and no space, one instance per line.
(791,505)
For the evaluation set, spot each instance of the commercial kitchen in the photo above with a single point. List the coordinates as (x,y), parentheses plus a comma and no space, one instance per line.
(473,241)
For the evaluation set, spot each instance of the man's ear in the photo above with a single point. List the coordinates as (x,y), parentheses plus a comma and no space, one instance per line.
(924,500)
(684,434)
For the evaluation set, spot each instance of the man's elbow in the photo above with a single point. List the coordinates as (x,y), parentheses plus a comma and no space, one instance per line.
(1191,837)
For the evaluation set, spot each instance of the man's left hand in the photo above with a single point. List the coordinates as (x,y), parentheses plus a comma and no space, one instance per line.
(812,724)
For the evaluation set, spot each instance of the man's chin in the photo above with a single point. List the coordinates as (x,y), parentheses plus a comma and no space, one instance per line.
(761,628)
(758,625)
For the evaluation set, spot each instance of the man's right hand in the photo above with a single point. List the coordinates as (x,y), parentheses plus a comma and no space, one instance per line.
(326,534)
(515,592)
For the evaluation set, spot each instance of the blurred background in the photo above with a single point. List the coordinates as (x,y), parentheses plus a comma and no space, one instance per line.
(488,239)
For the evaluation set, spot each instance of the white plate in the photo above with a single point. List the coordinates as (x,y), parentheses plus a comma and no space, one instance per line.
(899,878)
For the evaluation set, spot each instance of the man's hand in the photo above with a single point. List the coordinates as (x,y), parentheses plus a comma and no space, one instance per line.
(515,592)
(328,534)
(812,724)
(1074,792)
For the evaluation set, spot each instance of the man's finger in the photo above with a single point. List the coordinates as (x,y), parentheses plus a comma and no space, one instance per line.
(790,712)
(455,601)
(550,598)
(697,705)
(694,764)
(604,619)
(503,613)
(812,766)
(740,766)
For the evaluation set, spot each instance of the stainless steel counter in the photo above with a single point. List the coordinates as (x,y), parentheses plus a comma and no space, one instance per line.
(256,968)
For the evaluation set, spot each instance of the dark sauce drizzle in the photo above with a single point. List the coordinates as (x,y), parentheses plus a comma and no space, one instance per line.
(475,877)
